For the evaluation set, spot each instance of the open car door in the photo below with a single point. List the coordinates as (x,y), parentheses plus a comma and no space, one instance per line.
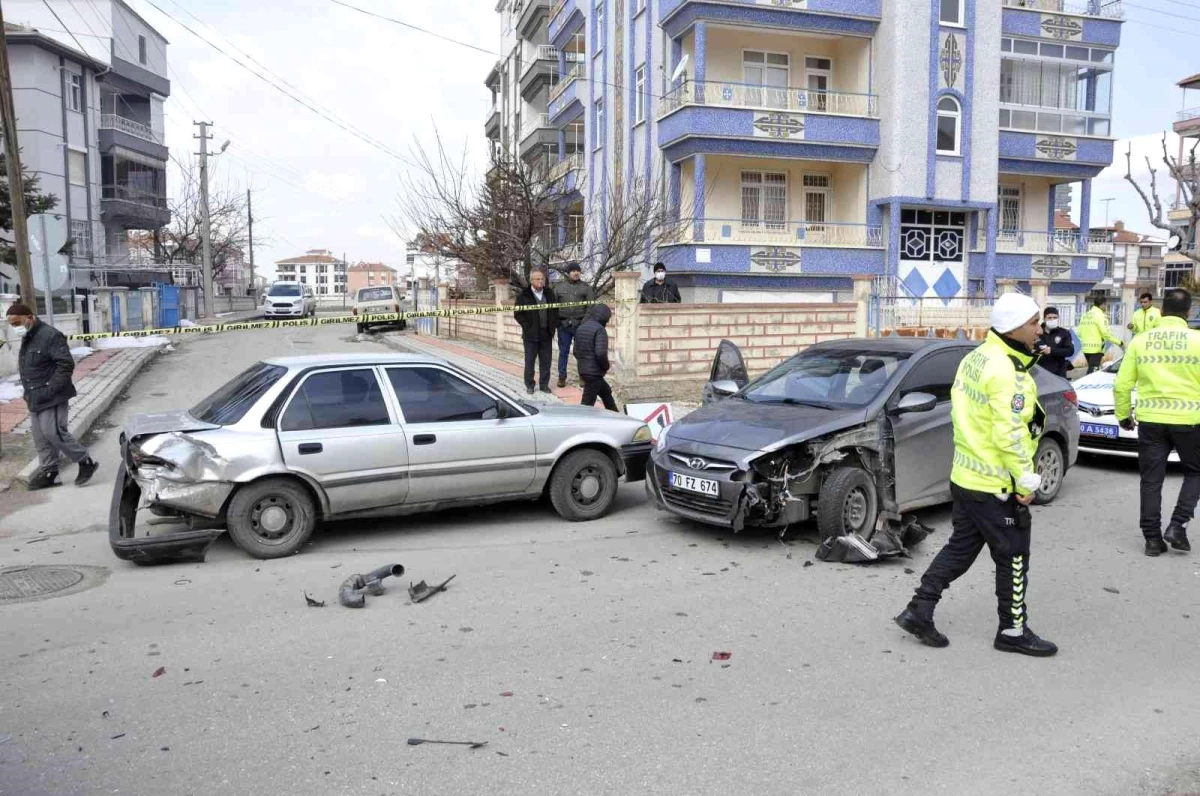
(728,369)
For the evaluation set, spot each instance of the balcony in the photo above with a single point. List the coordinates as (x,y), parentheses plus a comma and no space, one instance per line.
(566,18)
(1053,155)
(115,130)
(857,17)
(537,134)
(111,121)
(133,208)
(539,72)
(743,95)
(1040,241)
(491,126)
(783,233)
(566,165)
(1107,9)
(531,16)
(565,95)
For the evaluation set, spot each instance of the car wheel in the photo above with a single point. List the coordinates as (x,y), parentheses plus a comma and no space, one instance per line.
(271,518)
(847,503)
(583,486)
(1051,465)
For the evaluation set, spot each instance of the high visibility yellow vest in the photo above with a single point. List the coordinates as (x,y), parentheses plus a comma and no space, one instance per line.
(1145,320)
(1094,332)
(993,404)
(1164,365)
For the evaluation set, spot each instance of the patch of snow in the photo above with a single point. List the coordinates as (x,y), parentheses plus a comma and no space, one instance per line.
(224,314)
(184,322)
(10,390)
(81,352)
(106,343)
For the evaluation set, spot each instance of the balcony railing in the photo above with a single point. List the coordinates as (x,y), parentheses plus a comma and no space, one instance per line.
(567,164)
(138,196)
(1110,9)
(1043,242)
(535,122)
(544,52)
(744,95)
(1188,115)
(784,233)
(573,73)
(111,121)
(557,8)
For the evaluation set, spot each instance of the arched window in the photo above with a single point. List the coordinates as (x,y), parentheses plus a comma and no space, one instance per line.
(949,126)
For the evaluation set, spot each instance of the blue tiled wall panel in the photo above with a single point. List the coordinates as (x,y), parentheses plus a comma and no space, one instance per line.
(1050,168)
(736,259)
(1028,23)
(732,281)
(1016,145)
(566,23)
(567,105)
(840,16)
(818,128)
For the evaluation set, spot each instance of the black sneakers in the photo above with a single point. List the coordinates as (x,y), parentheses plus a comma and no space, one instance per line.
(1028,643)
(562,381)
(1155,547)
(43,479)
(1176,536)
(912,621)
(87,468)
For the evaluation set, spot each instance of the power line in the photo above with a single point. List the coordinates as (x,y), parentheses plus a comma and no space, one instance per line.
(82,49)
(1164,13)
(417,28)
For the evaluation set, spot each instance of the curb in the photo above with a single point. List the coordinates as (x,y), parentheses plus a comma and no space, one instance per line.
(84,422)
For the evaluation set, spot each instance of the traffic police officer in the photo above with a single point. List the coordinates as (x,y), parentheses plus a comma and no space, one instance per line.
(1163,364)
(1146,316)
(997,422)
(1094,332)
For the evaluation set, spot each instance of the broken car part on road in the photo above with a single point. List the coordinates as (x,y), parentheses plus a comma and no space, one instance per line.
(422,591)
(470,744)
(355,588)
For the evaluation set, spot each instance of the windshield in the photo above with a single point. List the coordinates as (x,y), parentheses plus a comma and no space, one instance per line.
(284,290)
(230,403)
(829,377)
(375,294)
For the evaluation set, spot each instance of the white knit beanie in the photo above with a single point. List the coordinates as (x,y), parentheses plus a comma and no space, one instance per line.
(1012,311)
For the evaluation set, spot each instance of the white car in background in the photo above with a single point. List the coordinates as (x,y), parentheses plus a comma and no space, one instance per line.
(379,300)
(1099,432)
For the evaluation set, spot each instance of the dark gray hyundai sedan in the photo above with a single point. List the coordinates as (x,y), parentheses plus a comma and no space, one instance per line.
(847,431)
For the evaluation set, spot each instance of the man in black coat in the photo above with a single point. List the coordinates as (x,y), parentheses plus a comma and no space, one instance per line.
(1055,345)
(45,365)
(660,290)
(537,329)
(591,351)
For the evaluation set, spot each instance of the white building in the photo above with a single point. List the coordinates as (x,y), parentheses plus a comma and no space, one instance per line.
(317,267)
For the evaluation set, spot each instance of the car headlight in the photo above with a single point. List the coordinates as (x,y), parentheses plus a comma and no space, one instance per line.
(661,445)
(643,435)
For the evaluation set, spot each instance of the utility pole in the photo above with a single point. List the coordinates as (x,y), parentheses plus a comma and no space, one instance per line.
(205,230)
(250,218)
(16,184)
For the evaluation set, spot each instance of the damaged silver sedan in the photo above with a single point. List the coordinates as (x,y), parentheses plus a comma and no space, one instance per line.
(295,441)
(853,433)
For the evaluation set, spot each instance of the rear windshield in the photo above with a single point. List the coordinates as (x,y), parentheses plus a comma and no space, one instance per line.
(375,294)
(229,404)
(284,290)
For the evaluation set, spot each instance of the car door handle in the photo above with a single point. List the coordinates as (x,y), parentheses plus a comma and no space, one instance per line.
(310,447)
(424,439)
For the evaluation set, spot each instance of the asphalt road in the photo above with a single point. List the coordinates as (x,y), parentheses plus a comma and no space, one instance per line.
(582,653)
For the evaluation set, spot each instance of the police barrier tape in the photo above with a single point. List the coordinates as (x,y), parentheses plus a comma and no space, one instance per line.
(375,318)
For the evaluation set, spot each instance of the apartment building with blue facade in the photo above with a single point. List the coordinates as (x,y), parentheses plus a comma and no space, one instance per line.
(803,142)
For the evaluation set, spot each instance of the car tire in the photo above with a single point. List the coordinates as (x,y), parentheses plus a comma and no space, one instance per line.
(583,486)
(271,518)
(847,503)
(1051,465)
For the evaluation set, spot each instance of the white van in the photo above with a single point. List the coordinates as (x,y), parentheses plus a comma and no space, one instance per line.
(289,300)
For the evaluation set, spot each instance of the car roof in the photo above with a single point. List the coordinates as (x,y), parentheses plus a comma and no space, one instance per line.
(333,360)
(907,345)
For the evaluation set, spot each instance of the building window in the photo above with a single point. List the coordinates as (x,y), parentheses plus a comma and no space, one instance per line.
(764,200)
(932,235)
(81,238)
(1010,208)
(766,76)
(952,12)
(639,95)
(817,189)
(949,126)
(77,162)
(74,92)
(598,136)
(142,50)
(598,25)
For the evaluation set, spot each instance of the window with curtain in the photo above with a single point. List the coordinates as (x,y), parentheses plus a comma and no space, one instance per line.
(949,125)
(764,199)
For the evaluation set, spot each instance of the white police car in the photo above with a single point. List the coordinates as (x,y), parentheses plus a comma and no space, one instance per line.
(1099,432)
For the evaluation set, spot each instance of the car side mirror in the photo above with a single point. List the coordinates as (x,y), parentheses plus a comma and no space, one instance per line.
(915,402)
(725,387)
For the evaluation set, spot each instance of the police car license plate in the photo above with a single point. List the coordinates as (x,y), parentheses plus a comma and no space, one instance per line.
(1099,430)
(690,483)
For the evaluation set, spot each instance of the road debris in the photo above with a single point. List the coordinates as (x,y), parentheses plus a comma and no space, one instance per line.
(506,693)
(422,591)
(354,589)
(1111,590)
(159,672)
(722,656)
(115,737)
(313,603)
(471,744)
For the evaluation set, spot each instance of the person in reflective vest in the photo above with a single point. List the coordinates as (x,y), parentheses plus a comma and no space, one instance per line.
(997,423)
(1146,316)
(1094,333)
(1163,365)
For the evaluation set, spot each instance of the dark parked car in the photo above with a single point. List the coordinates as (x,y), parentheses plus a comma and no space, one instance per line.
(846,431)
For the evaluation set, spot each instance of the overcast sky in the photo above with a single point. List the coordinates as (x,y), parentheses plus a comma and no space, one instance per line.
(317,186)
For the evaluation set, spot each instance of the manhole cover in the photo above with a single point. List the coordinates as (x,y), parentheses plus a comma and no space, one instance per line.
(25,584)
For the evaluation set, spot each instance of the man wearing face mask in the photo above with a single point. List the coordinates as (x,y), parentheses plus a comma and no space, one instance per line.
(45,365)
(997,422)
(1055,345)
(660,290)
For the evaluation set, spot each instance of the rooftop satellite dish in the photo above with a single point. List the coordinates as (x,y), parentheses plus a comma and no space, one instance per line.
(679,70)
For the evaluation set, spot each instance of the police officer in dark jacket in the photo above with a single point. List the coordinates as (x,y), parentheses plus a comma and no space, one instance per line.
(537,329)
(591,351)
(45,365)
(660,290)
(1055,345)
(571,291)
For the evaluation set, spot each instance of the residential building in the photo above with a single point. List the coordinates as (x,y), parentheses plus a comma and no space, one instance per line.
(802,142)
(89,92)
(234,276)
(363,275)
(1136,264)
(1176,264)
(317,267)
(422,260)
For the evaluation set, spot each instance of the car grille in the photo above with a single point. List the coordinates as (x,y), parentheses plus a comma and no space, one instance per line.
(282,306)
(708,465)
(1108,444)
(1095,411)
(691,501)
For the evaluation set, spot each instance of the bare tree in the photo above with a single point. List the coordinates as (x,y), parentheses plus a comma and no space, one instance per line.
(1182,171)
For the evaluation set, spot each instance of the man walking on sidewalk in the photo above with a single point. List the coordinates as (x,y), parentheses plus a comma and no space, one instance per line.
(591,349)
(45,365)
(573,291)
(537,329)
(1094,333)
(1163,365)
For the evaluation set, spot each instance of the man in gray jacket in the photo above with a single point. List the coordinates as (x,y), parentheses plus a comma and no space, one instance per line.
(574,289)
(45,365)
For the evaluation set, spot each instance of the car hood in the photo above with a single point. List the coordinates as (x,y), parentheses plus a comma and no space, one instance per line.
(1096,389)
(735,423)
(588,414)
(163,422)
